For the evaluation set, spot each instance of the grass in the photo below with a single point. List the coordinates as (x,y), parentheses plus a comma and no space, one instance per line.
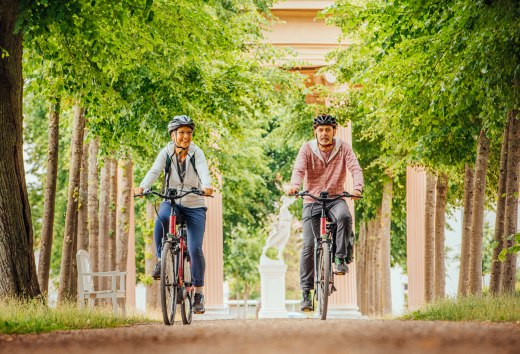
(504,308)
(17,317)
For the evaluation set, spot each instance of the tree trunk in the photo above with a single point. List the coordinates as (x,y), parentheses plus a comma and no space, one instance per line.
(83,237)
(496,266)
(50,197)
(370,268)
(17,265)
(440,225)
(377,262)
(93,207)
(477,217)
(429,238)
(469,185)
(124,213)
(386,225)
(152,287)
(508,273)
(64,291)
(112,215)
(366,268)
(104,207)
(360,267)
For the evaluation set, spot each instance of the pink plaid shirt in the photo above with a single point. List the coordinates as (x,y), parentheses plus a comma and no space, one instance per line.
(318,175)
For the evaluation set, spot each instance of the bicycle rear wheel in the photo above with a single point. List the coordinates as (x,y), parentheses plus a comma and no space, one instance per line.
(187,301)
(324,280)
(168,286)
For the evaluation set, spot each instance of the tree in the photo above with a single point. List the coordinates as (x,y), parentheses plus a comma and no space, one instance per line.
(18,269)
(429,238)
(440,225)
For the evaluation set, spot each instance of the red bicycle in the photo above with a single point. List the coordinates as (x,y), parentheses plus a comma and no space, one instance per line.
(176,287)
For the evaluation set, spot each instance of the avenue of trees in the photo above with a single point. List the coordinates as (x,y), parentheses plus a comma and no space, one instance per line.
(88,87)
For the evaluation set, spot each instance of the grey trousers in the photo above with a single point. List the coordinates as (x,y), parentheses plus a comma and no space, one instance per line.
(337,212)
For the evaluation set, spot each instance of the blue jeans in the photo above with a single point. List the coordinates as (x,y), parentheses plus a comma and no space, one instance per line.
(195,224)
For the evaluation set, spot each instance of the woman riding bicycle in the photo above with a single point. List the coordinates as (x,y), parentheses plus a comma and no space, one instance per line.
(322,165)
(185,167)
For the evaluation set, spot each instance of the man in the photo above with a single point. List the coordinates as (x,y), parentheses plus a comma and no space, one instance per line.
(322,165)
(185,167)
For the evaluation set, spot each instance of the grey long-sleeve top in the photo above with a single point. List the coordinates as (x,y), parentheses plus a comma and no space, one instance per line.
(191,180)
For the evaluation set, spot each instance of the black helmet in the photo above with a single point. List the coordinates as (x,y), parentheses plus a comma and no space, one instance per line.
(180,121)
(325,119)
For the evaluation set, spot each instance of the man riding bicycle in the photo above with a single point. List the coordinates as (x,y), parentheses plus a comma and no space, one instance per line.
(322,165)
(185,167)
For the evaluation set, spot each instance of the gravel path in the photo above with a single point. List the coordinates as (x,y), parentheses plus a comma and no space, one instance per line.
(278,336)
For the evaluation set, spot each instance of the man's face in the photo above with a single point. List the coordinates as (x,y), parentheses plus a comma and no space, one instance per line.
(325,134)
(182,136)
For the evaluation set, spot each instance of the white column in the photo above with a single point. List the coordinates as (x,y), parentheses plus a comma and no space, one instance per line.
(343,303)
(214,254)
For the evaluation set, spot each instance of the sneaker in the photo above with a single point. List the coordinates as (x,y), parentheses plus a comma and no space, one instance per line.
(306,304)
(198,304)
(340,267)
(156,274)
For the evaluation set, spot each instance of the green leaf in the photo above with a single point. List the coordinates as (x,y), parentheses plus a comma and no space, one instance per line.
(502,255)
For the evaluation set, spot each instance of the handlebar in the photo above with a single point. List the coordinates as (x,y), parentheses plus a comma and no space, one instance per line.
(172,194)
(327,199)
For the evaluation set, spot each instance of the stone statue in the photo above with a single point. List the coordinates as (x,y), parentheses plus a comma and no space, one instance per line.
(279,234)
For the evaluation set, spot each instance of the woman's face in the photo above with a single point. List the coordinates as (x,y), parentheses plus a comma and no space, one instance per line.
(182,136)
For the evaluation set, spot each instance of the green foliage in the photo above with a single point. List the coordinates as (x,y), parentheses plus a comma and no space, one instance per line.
(19,317)
(471,308)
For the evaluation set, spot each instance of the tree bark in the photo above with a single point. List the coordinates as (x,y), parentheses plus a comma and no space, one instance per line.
(477,217)
(17,264)
(469,184)
(112,215)
(93,207)
(386,225)
(83,237)
(377,262)
(496,266)
(64,291)
(124,213)
(508,273)
(360,266)
(440,225)
(150,256)
(104,207)
(50,197)
(429,235)
(371,267)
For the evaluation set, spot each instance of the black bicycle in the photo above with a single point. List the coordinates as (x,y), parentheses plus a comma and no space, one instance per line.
(176,286)
(324,250)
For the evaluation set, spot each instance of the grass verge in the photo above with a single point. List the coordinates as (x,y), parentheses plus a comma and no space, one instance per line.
(17,317)
(502,308)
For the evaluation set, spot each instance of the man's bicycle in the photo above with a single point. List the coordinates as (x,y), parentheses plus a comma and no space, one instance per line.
(324,250)
(176,286)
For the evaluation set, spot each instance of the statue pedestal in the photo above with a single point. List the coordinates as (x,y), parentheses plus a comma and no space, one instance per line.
(272,278)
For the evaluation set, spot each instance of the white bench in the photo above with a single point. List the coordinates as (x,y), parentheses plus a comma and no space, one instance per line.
(86,291)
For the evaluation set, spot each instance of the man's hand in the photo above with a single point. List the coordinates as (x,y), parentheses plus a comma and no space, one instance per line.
(138,190)
(208,191)
(292,191)
(355,194)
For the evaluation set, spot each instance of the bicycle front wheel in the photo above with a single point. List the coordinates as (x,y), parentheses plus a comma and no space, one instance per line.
(324,280)
(187,301)
(168,286)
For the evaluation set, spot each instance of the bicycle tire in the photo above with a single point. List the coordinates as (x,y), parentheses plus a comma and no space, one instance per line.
(324,283)
(168,286)
(187,301)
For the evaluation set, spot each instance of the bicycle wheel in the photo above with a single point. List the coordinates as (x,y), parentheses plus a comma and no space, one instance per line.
(187,301)
(168,287)
(324,277)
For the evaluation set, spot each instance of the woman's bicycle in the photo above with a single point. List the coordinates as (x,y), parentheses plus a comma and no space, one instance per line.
(176,286)
(324,250)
